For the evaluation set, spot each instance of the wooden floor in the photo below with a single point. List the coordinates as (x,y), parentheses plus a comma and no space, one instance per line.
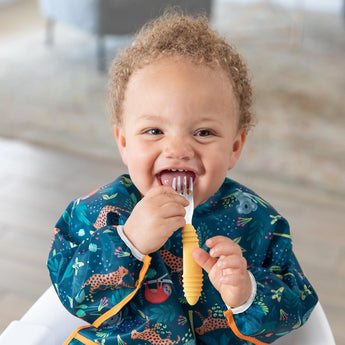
(37,185)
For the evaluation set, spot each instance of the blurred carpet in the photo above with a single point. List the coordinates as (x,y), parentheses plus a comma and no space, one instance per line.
(55,97)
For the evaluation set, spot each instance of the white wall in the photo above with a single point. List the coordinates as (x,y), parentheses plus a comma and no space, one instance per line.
(332,6)
(5,2)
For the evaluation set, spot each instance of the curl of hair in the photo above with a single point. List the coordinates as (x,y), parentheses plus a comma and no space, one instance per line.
(178,35)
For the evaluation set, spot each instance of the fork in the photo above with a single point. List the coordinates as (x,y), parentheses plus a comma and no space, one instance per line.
(192,272)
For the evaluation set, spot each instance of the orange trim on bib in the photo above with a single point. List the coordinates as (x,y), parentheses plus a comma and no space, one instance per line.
(119,306)
(81,338)
(234,328)
(85,340)
(113,311)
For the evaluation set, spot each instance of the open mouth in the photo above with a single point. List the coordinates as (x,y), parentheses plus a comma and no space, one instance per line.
(166,177)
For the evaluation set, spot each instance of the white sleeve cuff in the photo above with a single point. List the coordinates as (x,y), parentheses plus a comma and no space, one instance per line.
(246,305)
(135,251)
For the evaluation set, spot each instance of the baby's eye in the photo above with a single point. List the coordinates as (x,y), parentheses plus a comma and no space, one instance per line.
(154,131)
(203,133)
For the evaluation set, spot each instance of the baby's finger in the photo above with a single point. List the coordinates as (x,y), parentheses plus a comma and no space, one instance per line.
(174,223)
(159,190)
(203,259)
(233,279)
(172,209)
(221,245)
(164,194)
(231,264)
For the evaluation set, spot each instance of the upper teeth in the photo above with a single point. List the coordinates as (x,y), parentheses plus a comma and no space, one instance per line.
(181,170)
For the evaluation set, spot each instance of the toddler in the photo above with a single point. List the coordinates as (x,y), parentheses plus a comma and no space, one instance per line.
(181,101)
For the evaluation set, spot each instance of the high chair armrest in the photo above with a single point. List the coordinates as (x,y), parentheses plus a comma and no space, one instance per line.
(47,322)
(21,332)
(316,331)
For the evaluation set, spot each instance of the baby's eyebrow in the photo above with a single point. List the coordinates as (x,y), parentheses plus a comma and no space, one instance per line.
(210,120)
(148,117)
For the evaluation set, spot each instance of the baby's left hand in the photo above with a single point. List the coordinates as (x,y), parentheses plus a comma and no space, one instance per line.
(227,269)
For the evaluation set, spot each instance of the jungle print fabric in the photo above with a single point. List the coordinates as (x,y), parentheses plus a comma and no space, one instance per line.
(98,279)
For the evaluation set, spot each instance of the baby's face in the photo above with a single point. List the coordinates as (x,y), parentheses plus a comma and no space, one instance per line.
(179,119)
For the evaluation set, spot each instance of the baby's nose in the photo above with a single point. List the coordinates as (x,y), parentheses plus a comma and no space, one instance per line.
(179,148)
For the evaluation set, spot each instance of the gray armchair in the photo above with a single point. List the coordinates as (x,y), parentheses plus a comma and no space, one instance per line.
(111,17)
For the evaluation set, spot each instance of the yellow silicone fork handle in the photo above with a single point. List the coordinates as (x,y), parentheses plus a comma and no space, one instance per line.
(192,272)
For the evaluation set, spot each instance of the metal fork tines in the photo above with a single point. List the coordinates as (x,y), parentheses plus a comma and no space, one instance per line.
(186,190)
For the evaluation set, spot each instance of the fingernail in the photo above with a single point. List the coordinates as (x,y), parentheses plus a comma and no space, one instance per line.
(209,242)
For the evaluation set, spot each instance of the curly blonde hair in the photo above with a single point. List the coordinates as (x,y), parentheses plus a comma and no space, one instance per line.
(177,35)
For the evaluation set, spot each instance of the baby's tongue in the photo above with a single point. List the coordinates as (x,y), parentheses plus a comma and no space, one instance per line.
(168,176)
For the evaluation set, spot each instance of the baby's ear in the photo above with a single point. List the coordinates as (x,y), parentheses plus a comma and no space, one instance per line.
(237,147)
(121,143)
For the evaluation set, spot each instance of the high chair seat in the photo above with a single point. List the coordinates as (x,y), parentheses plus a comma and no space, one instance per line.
(47,322)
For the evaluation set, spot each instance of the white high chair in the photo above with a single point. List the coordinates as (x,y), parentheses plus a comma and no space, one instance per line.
(47,322)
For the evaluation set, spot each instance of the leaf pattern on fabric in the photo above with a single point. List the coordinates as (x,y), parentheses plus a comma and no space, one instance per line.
(86,250)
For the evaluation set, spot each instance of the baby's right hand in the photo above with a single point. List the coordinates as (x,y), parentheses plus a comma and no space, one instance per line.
(155,218)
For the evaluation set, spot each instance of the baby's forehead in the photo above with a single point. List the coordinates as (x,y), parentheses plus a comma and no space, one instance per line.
(164,62)
(167,72)
(179,86)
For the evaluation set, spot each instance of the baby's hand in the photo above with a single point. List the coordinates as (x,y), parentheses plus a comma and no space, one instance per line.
(155,218)
(227,269)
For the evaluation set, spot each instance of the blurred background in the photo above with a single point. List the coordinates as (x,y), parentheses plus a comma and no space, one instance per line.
(56,142)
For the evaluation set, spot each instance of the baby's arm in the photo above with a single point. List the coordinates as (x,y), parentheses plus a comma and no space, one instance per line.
(284,297)
(87,262)
(88,257)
